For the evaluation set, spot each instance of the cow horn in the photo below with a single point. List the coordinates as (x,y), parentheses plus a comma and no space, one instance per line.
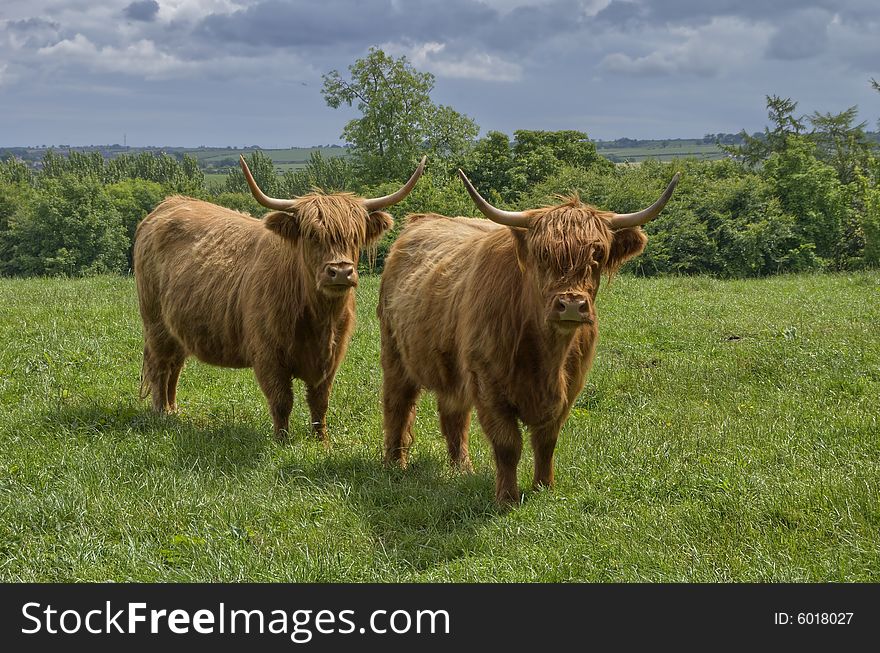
(378,203)
(260,196)
(507,218)
(624,220)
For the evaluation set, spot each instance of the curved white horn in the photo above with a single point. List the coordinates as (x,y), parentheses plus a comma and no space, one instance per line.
(624,220)
(507,218)
(260,196)
(377,203)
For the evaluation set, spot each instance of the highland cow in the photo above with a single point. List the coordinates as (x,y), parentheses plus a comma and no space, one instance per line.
(499,315)
(274,294)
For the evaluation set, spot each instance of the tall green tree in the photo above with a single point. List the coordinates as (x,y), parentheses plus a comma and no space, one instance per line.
(841,143)
(262,168)
(508,170)
(398,120)
(330,174)
(755,149)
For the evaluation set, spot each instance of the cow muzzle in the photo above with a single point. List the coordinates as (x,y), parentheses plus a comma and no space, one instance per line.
(340,276)
(571,310)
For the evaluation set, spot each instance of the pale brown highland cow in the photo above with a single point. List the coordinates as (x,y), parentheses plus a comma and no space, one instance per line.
(500,317)
(272,294)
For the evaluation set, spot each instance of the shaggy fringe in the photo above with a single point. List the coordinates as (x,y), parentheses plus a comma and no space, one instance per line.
(332,220)
(559,232)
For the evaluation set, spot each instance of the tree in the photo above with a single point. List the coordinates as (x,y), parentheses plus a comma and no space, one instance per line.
(134,199)
(757,148)
(398,120)
(262,168)
(840,143)
(330,174)
(450,136)
(810,191)
(71,227)
(489,166)
(509,170)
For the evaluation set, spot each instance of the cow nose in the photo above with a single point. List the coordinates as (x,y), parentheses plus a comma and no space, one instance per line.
(573,309)
(341,273)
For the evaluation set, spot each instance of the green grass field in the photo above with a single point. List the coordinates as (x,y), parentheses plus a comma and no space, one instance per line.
(672,151)
(730,431)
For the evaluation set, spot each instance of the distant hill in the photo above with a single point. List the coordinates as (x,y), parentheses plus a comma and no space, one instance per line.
(628,150)
(212,159)
(217,161)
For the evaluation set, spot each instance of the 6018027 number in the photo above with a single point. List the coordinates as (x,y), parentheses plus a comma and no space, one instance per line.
(824,618)
(813,618)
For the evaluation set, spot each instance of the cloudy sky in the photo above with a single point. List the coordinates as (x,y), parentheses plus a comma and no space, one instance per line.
(242,72)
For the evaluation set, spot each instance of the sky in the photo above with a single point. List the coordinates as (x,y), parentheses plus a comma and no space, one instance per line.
(248,72)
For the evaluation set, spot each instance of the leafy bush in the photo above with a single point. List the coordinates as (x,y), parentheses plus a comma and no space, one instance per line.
(330,174)
(869,217)
(134,199)
(72,227)
(809,191)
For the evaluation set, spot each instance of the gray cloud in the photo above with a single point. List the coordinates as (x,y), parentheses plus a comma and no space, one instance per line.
(145,10)
(803,35)
(31,25)
(634,68)
(622,13)
(342,22)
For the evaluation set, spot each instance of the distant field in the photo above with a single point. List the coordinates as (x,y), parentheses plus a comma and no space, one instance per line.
(284,158)
(674,150)
(217,162)
(728,432)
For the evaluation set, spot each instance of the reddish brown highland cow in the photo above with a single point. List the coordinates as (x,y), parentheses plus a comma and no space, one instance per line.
(498,314)
(273,294)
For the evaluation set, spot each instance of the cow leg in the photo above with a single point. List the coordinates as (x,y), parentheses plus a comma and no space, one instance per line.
(176,367)
(399,397)
(543,446)
(503,433)
(318,398)
(163,358)
(454,423)
(275,383)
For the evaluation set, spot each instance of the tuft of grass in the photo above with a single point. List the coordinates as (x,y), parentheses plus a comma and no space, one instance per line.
(728,432)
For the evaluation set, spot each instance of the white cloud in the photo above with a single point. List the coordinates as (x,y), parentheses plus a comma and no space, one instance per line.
(192,10)
(590,7)
(721,45)
(141,58)
(436,58)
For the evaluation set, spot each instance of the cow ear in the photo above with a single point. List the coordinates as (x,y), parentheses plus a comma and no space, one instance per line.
(378,222)
(625,244)
(521,246)
(284,224)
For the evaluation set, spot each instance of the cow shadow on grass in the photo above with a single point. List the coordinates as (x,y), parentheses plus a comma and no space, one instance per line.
(223,444)
(424,516)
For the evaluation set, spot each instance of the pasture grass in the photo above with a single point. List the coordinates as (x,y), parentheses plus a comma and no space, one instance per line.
(672,151)
(729,431)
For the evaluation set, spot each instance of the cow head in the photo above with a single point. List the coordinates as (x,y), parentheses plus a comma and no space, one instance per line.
(332,229)
(563,250)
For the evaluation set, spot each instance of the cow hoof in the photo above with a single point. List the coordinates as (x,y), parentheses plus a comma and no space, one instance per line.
(399,462)
(507,500)
(463,466)
(282,436)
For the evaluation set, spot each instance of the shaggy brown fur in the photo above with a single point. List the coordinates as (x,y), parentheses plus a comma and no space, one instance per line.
(466,310)
(235,291)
